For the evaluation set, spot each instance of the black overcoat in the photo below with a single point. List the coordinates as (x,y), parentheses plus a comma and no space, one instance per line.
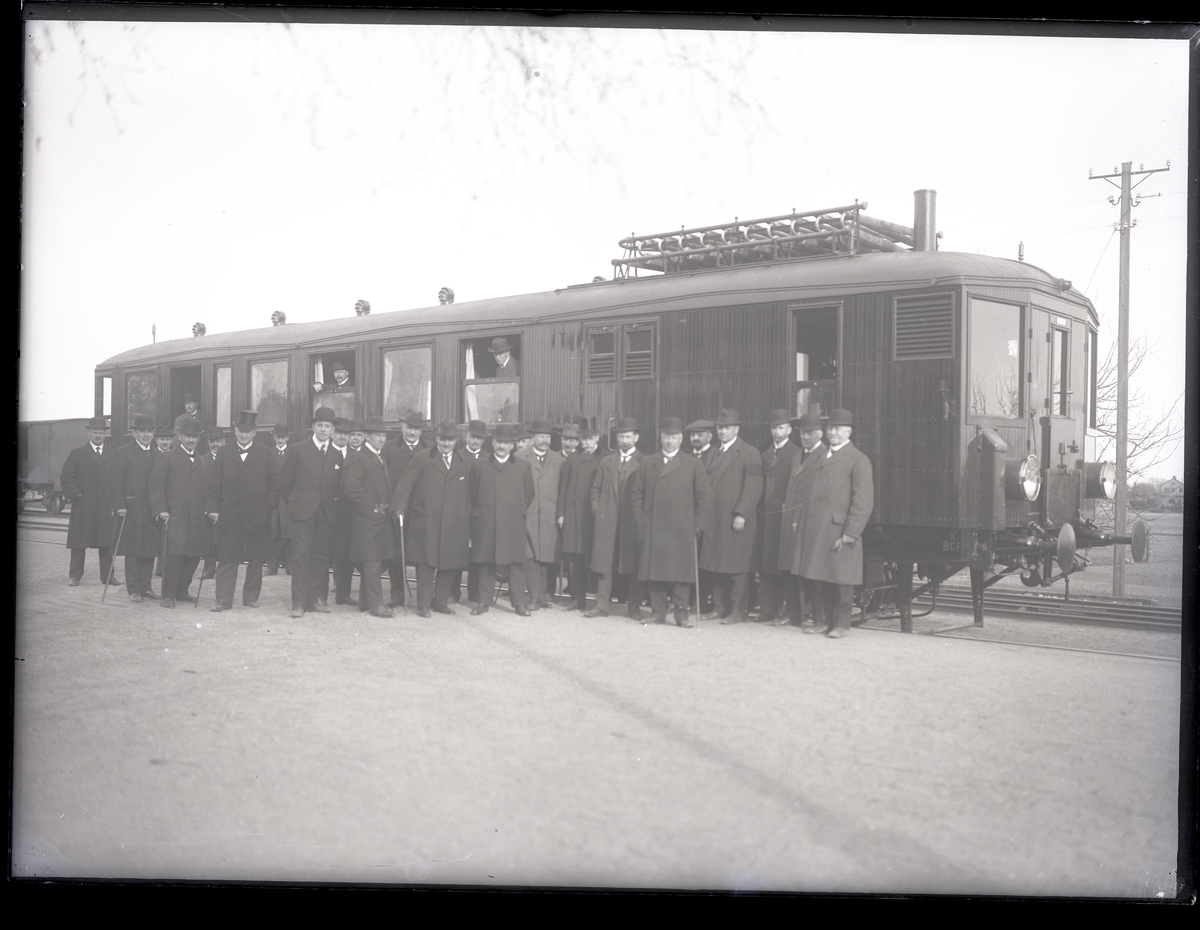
(128,482)
(339,533)
(500,495)
(83,483)
(310,479)
(179,486)
(575,502)
(777,473)
(614,540)
(436,503)
(799,491)
(396,456)
(670,503)
(736,476)
(840,503)
(244,495)
(372,534)
(281,523)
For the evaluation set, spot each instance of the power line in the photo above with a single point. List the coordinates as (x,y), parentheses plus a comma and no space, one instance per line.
(1107,243)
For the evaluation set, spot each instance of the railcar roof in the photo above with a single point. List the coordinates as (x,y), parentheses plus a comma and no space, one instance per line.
(757,283)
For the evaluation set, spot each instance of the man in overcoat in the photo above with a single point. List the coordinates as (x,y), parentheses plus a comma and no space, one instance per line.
(82,481)
(243,494)
(434,496)
(309,481)
(372,533)
(736,475)
(799,492)
(281,530)
(506,365)
(179,499)
(501,490)
(191,410)
(216,442)
(396,456)
(472,450)
(128,483)
(773,581)
(575,517)
(672,500)
(700,434)
(615,537)
(542,515)
(831,525)
(339,533)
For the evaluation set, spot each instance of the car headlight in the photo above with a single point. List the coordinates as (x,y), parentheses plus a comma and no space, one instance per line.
(1023,479)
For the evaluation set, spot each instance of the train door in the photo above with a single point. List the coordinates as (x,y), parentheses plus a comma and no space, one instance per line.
(620,378)
(1061,403)
(185,380)
(817,355)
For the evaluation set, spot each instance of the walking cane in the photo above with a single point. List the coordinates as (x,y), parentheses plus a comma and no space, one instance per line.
(112,565)
(696,568)
(403,563)
(162,588)
(200,586)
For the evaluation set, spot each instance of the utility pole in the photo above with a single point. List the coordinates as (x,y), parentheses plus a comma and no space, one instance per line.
(1126,173)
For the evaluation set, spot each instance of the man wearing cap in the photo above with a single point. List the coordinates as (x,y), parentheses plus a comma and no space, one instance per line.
(575,517)
(281,532)
(434,497)
(339,533)
(541,516)
(243,494)
(128,481)
(501,489)
(179,487)
(773,582)
(831,525)
(671,499)
(372,535)
(397,455)
(799,492)
(506,365)
(309,481)
(471,452)
(736,474)
(615,537)
(82,482)
(191,407)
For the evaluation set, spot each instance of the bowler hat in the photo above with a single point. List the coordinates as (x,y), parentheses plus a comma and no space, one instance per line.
(217,435)
(779,417)
(477,428)
(190,426)
(697,426)
(413,418)
(540,426)
(499,344)
(324,415)
(246,420)
(97,423)
(671,425)
(358,426)
(505,432)
(373,425)
(341,425)
(570,431)
(587,432)
(191,399)
(160,432)
(282,429)
(141,421)
(809,421)
(627,425)
(728,417)
(447,429)
(841,417)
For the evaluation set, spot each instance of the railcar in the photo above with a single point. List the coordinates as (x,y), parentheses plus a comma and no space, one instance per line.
(972,379)
(42,450)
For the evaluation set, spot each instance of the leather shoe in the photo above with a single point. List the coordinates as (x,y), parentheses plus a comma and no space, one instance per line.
(73,582)
(442,609)
(813,629)
(149,595)
(217,608)
(658,618)
(545,605)
(136,598)
(522,611)
(781,621)
(350,601)
(595,612)
(297,613)
(423,612)
(837,632)
(481,609)
(251,604)
(711,615)
(186,598)
(685,622)
(320,607)
(731,619)
(385,612)
(168,602)
(534,605)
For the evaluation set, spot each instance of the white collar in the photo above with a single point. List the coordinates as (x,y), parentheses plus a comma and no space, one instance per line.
(501,461)
(98,448)
(367,445)
(243,449)
(833,449)
(725,445)
(670,455)
(780,445)
(320,445)
(140,446)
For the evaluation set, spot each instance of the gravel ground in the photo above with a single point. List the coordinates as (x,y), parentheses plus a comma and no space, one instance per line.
(556,750)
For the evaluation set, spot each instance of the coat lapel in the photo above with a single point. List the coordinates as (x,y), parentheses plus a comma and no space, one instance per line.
(724,459)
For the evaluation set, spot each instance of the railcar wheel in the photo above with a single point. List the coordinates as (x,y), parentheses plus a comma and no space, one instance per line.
(1031,579)
(53,503)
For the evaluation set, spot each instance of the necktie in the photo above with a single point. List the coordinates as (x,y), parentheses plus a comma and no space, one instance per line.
(446,459)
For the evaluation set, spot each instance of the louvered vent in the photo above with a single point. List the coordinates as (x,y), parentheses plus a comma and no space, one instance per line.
(924,327)
(639,365)
(639,353)
(602,367)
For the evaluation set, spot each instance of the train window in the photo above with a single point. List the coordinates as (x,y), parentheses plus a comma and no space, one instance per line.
(333,382)
(407,382)
(223,399)
(104,396)
(1090,347)
(638,360)
(1060,349)
(816,360)
(994,359)
(602,355)
(141,395)
(269,391)
(491,378)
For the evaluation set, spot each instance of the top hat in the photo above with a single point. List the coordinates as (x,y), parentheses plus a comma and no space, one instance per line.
(671,425)
(540,426)
(97,423)
(697,426)
(626,425)
(588,432)
(477,428)
(191,398)
(499,344)
(246,420)
(190,426)
(570,431)
(779,417)
(324,415)
(413,419)
(373,425)
(282,429)
(358,426)
(505,432)
(160,432)
(728,417)
(447,429)
(841,417)
(809,421)
(141,421)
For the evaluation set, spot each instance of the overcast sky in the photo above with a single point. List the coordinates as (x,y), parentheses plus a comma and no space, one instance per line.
(177,173)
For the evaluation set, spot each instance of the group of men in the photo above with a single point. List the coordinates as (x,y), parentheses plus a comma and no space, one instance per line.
(496,506)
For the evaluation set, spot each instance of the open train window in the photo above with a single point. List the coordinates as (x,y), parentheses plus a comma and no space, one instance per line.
(1060,372)
(994,359)
(407,381)
(491,367)
(816,360)
(334,382)
(269,391)
(602,354)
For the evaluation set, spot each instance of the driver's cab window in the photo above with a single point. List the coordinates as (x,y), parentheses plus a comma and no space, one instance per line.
(492,378)
(333,382)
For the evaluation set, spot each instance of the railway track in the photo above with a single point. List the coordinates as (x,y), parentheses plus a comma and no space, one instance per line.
(42,521)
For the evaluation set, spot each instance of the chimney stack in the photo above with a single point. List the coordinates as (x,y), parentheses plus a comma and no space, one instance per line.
(924,221)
